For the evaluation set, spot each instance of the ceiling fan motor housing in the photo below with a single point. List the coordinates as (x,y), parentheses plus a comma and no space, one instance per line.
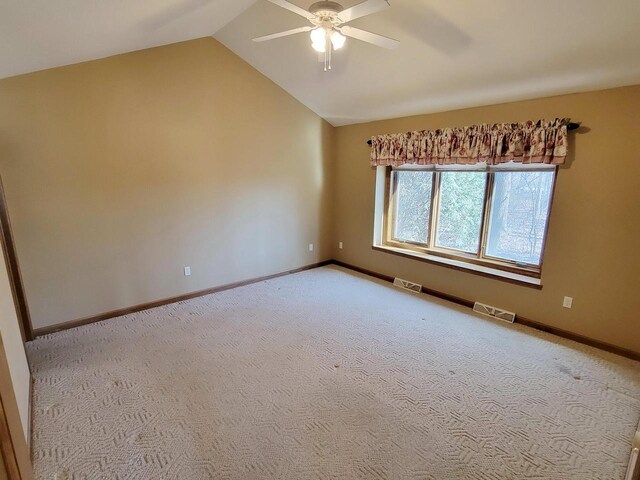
(326,10)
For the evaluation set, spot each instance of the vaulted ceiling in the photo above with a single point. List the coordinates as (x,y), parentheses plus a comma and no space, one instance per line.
(39,34)
(453,53)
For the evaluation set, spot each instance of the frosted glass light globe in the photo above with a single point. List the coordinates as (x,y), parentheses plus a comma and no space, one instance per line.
(337,39)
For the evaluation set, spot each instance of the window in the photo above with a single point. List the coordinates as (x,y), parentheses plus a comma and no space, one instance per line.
(493,218)
(519,212)
(413,206)
(460,206)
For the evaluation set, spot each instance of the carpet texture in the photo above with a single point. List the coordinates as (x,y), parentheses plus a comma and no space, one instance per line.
(326,374)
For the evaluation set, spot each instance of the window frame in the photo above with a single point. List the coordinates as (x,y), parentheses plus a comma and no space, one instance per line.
(481,258)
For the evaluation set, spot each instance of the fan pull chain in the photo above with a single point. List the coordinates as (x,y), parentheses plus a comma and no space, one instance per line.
(327,52)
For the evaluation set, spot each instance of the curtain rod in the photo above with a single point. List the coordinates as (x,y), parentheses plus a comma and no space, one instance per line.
(570,126)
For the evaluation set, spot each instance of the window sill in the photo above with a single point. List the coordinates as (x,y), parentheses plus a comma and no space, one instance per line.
(464,266)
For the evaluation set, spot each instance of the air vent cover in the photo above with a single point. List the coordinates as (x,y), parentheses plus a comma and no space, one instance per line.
(494,312)
(407,285)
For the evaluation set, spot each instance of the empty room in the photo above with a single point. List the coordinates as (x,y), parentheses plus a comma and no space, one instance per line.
(299,240)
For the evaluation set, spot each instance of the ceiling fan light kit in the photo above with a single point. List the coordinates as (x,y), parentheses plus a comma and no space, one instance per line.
(328,30)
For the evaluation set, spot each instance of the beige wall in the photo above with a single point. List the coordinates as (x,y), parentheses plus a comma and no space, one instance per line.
(121,171)
(11,340)
(593,248)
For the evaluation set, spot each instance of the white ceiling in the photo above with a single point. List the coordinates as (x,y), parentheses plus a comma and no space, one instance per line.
(39,34)
(453,53)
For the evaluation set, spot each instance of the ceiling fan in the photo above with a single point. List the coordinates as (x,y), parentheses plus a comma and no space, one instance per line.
(328,26)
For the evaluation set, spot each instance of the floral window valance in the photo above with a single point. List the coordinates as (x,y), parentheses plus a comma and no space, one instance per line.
(530,142)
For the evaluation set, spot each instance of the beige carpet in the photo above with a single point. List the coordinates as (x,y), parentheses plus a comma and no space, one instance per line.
(326,374)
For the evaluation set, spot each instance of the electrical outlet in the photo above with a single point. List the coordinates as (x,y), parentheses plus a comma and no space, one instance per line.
(187,271)
(311,247)
(567,302)
(340,245)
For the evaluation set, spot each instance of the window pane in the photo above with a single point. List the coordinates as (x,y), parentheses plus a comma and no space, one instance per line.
(413,206)
(460,210)
(519,211)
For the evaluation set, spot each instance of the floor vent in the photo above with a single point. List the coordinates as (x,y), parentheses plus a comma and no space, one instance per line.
(494,312)
(407,285)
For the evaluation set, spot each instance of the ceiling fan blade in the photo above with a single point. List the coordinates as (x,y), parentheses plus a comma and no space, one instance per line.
(374,38)
(283,34)
(293,8)
(362,9)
